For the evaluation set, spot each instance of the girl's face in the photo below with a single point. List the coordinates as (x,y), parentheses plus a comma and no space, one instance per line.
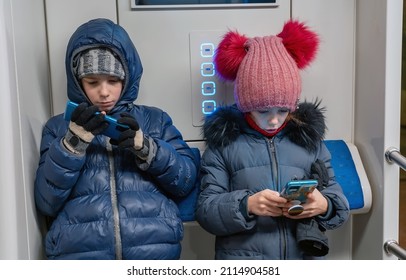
(102,90)
(270,120)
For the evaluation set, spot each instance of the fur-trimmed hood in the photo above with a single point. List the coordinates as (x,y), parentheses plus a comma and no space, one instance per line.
(306,126)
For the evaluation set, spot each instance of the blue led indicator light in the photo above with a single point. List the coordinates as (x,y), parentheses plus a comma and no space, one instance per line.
(208,88)
(208,106)
(206,49)
(207,69)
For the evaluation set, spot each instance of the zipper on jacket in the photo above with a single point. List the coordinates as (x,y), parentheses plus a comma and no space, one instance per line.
(274,164)
(114,207)
(275,179)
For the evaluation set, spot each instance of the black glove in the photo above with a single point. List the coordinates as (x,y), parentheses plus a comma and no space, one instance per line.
(311,238)
(83,126)
(131,138)
(319,172)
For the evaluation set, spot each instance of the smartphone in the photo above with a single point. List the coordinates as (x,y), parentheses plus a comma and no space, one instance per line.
(111,131)
(298,189)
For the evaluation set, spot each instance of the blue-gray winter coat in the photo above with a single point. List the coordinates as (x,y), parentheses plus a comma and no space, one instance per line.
(107,204)
(240,161)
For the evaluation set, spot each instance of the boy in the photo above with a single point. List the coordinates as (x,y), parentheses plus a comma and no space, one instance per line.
(111,198)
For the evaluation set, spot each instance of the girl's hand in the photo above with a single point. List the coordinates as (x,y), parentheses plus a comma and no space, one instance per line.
(316,204)
(266,203)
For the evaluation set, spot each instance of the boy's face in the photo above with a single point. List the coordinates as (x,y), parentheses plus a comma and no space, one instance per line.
(102,90)
(270,120)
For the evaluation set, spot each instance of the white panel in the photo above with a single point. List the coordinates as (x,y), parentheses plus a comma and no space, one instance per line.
(207,90)
(63,17)
(393,67)
(8,165)
(34,107)
(162,38)
(331,76)
(377,116)
(25,107)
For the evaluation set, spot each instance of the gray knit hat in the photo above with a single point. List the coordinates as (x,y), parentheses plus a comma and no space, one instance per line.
(99,61)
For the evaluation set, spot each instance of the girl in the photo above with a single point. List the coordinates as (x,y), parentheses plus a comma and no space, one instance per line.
(255,147)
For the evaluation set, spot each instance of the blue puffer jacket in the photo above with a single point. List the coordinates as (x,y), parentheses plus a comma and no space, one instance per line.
(240,161)
(107,204)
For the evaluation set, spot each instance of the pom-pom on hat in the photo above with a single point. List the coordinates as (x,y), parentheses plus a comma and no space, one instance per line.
(266,69)
(99,61)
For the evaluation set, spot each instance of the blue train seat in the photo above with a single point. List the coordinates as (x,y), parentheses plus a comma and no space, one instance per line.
(350,174)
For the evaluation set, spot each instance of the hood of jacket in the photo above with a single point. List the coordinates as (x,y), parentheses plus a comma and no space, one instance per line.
(306,126)
(103,33)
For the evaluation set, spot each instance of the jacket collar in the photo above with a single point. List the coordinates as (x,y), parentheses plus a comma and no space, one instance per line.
(305,128)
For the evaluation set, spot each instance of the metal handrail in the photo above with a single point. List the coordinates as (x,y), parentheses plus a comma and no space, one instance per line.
(392,248)
(393,155)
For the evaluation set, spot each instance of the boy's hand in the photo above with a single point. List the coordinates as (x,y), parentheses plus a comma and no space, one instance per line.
(83,126)
(131,138)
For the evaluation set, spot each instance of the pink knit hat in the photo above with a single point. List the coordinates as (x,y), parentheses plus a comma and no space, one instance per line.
(266,69)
